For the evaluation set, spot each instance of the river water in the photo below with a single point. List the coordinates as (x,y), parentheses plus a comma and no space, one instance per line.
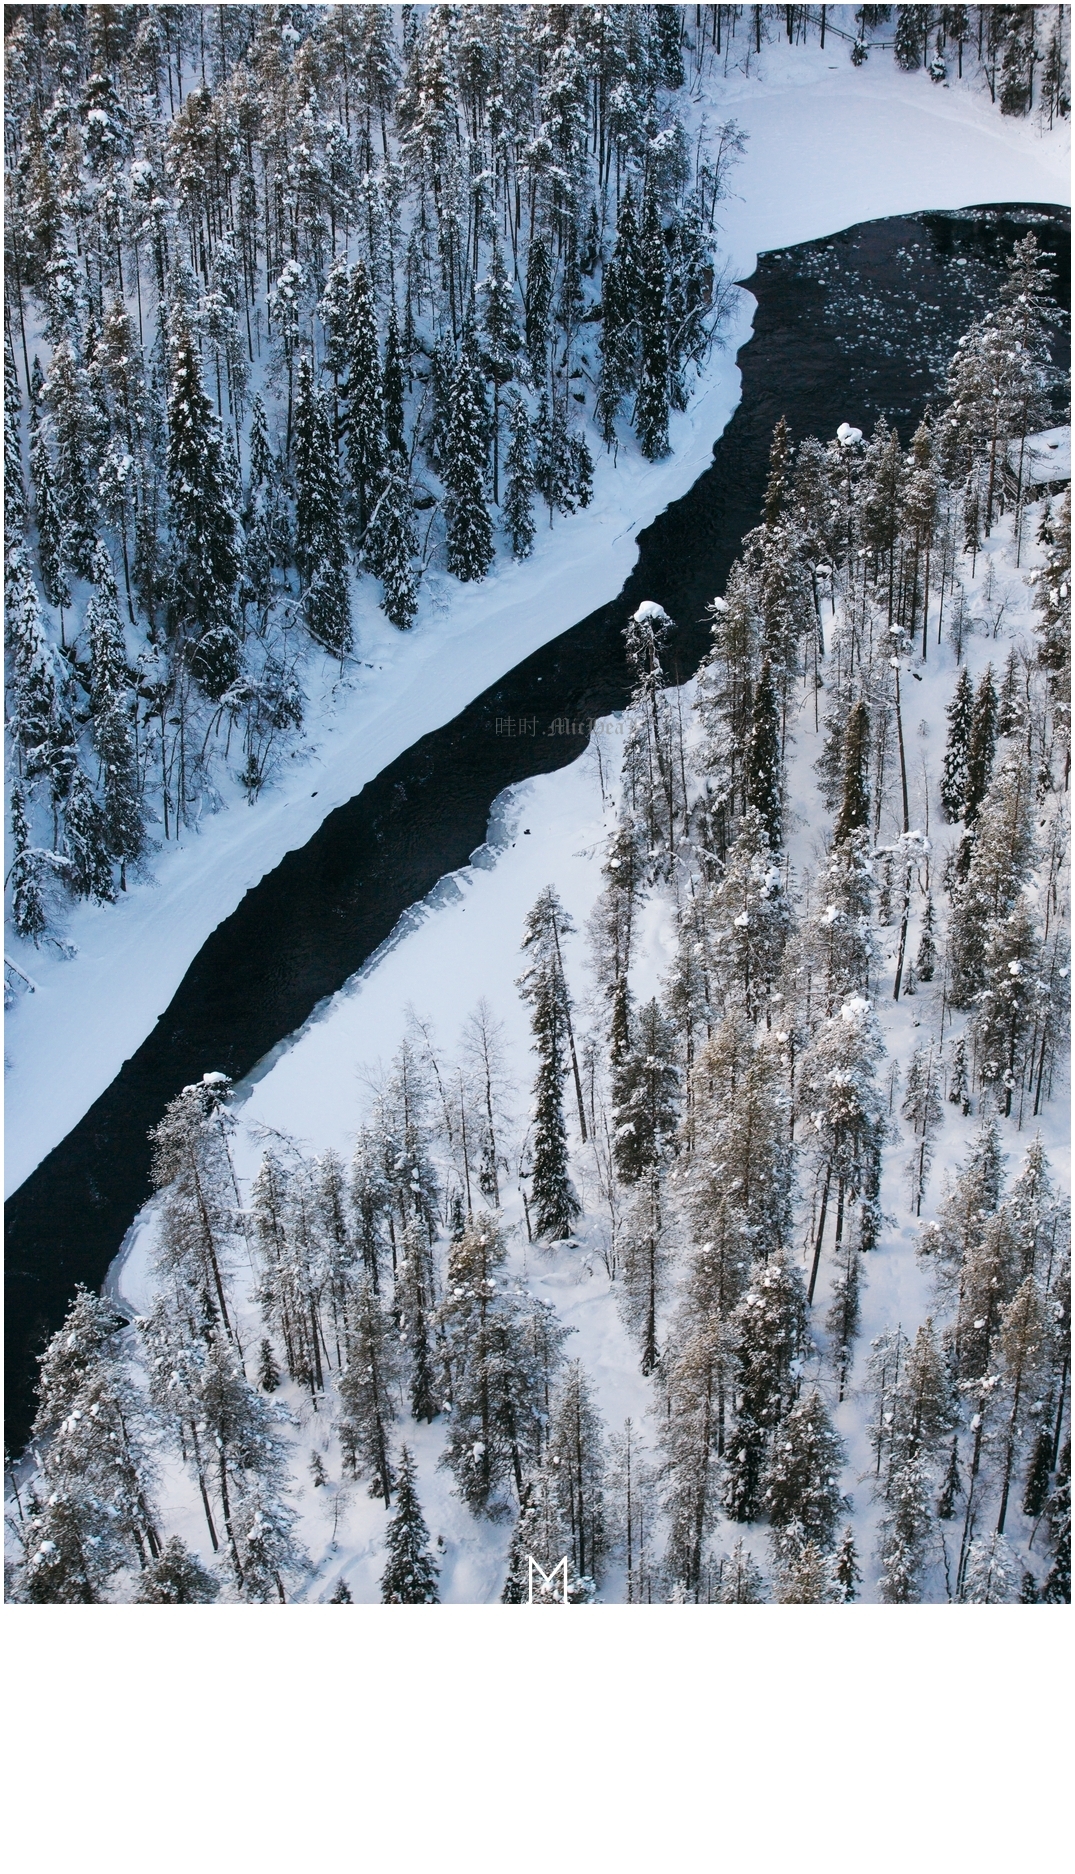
(847,329)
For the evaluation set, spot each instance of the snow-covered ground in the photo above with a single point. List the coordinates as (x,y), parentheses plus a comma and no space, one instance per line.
(829,146)
(462,945)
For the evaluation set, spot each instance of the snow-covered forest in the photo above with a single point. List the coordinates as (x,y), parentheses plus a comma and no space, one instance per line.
(750,1282)
(309,304)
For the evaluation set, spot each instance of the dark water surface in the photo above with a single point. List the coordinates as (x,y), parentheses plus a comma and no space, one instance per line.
(846,329)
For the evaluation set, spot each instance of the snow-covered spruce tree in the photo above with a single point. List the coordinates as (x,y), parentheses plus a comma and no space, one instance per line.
(538,307)
(1023,1345)
(368,1391)
(654,389)
(501,342)
(966,1206)
(1052,601)
(410,1576)
(519,495)
(741,1582)
(67,401)
(391,545)
(981,745)
(855,802)
(495,1377)
(394,385)
(320,547)
(906,1532)
(847,1571)
(748,921)
(544,986)
(176,1578)
(112,703)
(954,776)
(765,776)
(771,1334)
(805,1574)
(1006,1027)
(51,541)
(1001,858)
(1057,1586)
(367,446)
(32,869)
(801,1483)
(415,1304)
(204,525)
(94,1443)
(192,1165)
(14,481)
(85,844)
(991,1575)
(39,686)
(839,1092)
(696,1377)
(466,454)
(645,1091)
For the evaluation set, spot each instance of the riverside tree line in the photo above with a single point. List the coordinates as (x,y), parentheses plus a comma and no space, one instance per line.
(720,1147)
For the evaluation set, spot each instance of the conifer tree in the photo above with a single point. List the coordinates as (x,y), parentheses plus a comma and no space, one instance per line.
(395,371)
(519,496)
(538,307)
(906,1532)
(847,1571)
(366,441)
(65,396)
(574,1466)
(319,535)
(391,545)
(31,869)
(644,1091)
(742,1583)
(770,1327)
(1057,1587)
(367,1390)
(123,825)
(981,745)
(204,525)
(85,843)
(855,801)
(470,528)
(922,1108)
(654,391)
(765,780)
(501,343)
(801,1483)
(50,530)
(176,1578)
(954,777)
(410,1577)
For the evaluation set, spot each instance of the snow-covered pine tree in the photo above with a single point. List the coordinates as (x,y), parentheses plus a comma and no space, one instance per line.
(645,1092)
(85,842)
(320,547)
(544,986)
(538,307)
(801,1483)
(466,454)
(176,1578)
(771,1334)
(391,545)
(192,1165)
(410,1576)
(368,1390)
(519,496)
(204,524)
(502,342)
(66,399)
(112,704)
(954,776)
(496,1375)
(855,801)
(367,445)
(1001,857)
(654,389)
(981,745)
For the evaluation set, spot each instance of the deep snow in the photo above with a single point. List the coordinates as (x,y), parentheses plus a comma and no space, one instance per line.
(463,944)
(829,146)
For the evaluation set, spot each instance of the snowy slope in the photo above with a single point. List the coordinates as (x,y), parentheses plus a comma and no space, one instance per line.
(829,146)
(462,944)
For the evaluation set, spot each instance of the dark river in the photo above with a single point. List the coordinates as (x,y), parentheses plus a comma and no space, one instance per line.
(846,329)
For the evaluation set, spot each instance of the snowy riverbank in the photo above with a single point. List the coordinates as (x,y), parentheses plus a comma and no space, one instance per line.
(829,146)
